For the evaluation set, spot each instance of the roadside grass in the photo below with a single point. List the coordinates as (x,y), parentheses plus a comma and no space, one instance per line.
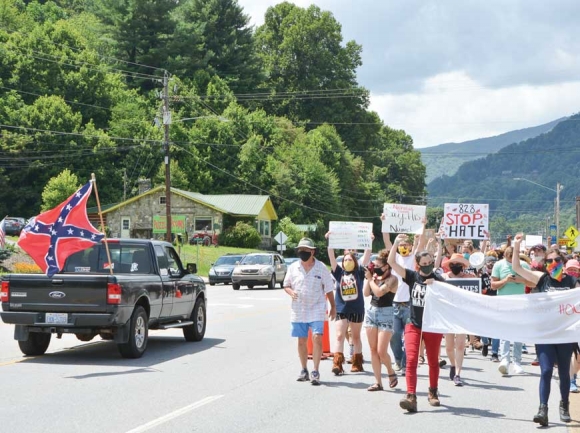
(205,256)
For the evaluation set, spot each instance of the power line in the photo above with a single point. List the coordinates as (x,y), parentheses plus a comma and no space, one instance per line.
(65,100)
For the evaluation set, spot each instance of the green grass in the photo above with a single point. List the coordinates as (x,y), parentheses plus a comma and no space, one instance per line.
(205,256)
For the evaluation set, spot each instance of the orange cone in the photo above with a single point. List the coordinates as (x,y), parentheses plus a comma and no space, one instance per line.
(325,343)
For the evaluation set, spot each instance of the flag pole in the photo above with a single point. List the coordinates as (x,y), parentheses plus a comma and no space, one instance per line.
(94,180)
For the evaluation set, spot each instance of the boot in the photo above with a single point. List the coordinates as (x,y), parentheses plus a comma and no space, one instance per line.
(409,403)
(433,397)
(564,411)
(337,364)
(542,416)
(357,363)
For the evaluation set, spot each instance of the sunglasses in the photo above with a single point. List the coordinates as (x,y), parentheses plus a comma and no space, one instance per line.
(557,260)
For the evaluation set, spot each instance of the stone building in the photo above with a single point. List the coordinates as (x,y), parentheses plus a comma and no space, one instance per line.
(143,216)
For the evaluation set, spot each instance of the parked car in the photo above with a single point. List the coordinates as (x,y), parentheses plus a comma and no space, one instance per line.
(14,225)
(221,270)
(259,269)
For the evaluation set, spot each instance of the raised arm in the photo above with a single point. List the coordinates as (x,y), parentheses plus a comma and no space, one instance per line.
(392,259)
(386,236)
(420,243)
(530,276)
(439,253)
(331,257)
(366,258)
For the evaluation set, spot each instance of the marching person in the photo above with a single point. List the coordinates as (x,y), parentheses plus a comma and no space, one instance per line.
(350,305)
(381,285)
(417,282)
(554,279)
(310,285)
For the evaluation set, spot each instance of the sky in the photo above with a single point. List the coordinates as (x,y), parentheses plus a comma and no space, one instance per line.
(455,70)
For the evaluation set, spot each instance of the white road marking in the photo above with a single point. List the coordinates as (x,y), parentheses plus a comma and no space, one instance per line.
(175,414)
(212,304)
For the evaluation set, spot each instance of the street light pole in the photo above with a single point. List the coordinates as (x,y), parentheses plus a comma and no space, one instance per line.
(166,123)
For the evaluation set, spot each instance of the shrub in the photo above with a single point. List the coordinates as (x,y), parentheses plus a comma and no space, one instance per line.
(242,235)
(26,268)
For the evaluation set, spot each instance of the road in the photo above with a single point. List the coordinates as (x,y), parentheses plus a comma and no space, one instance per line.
(241,378)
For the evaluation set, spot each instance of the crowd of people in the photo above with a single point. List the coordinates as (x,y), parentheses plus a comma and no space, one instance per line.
(397,281)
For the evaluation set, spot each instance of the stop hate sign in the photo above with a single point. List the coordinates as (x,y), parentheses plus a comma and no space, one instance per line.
(466,221)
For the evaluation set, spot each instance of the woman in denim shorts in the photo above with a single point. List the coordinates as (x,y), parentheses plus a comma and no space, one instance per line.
(379,320)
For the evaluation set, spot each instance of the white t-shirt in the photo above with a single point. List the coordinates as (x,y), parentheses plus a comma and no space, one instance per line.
(403,294)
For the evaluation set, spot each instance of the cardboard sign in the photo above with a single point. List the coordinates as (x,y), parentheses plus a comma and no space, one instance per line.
(532,240)
(403,218)
(469,284)
(466,221)
(351,235)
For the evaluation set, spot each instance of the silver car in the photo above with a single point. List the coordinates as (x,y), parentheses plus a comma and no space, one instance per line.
(259,269)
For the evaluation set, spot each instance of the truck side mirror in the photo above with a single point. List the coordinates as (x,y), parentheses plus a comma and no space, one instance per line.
(192,268)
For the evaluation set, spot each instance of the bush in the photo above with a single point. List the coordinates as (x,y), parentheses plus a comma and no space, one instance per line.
(242,235)
(26,268)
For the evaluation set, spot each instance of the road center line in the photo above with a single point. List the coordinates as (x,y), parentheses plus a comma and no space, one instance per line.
(175,414)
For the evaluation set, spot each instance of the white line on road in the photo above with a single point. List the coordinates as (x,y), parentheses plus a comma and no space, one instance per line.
(175,414)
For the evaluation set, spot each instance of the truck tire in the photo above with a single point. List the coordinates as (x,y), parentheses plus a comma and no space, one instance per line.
(198,316)
(138,335)
(206,241)
(272,283)
(36,344)
(235,286)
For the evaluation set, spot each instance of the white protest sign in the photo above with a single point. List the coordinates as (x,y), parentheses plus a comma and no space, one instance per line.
(532,240)
(351,235)
(403,218)
(466,221)
(469,284)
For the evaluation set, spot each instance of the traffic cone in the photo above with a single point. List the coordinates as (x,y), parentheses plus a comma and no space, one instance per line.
(325,343)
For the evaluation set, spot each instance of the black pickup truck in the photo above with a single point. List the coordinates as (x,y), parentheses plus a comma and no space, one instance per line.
(148,289)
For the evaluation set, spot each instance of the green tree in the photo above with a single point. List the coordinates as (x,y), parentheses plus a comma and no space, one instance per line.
(58,189)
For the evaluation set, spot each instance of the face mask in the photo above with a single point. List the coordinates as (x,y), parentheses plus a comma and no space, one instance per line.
(456,269)
(348,266)
(404,251)
(574,274)
(379,271)
(538,258)
(466,256)
(426,270)
(304,255)
(555,269)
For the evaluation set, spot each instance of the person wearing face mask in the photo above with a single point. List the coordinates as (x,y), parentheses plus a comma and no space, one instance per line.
(455,343)
(417,282)
(310,285)
(552,280)
(381,286)
(350,306)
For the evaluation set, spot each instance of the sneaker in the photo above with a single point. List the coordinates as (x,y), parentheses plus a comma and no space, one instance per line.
(536,362)
(452,372)
(457,381)
(494,357)
(504,366)
(484,350)
(573,386)
(303,376)
(524,349)
(397,367)
(315,380)
(517,368)
(442,363)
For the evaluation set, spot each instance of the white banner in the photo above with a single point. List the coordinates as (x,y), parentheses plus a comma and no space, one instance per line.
(403,218)
(543,318)
(355,235)
(466,221)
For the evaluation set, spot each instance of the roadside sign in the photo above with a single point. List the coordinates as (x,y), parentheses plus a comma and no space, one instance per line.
(281,248)
(571,233)
(572,244)
(553,229)
(563,242)
(281,238)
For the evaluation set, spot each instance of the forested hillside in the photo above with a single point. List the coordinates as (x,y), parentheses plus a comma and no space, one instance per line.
(270,110)
(445,159)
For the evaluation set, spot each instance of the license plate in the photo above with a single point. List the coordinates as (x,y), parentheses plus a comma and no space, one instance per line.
(57,318)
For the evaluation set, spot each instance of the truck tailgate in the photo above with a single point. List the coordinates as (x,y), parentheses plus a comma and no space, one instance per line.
(61,293)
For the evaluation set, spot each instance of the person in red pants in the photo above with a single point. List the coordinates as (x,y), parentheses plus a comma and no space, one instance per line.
(417,282)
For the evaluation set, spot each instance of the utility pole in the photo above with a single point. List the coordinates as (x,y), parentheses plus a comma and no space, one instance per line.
(166,123)
(558,188)
(577,211)
(124,184)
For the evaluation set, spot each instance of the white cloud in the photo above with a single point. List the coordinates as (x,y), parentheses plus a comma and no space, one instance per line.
(453,107)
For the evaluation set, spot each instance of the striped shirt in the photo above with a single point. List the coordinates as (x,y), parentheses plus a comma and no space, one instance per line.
(311,287)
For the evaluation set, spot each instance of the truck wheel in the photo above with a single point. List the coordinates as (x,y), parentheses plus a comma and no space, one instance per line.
(272,283)
(235,286)
(206,241)
(138,335)
(36,344)
(196,331)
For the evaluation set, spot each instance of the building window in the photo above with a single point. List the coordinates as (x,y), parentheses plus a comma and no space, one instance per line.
(162,200)
(203,224)
(263,227)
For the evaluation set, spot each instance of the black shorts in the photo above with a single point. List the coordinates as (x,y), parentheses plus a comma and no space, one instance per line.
(351,317)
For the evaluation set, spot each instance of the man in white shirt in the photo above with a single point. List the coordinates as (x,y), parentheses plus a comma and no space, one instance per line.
(310,285)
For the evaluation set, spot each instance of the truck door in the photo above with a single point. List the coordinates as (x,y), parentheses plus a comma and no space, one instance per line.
(184,290)
(167,281)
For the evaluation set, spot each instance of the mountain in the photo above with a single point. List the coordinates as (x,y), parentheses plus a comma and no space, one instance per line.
(542,162)
(447,158)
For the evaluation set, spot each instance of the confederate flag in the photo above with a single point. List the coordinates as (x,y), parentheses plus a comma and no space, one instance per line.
(52,236)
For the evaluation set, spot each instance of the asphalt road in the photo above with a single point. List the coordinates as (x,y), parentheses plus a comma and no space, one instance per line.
(241,378)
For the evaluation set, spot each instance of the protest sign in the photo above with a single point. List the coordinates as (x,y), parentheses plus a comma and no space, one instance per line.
(403,218)
(469,284)
(352,235)
(466,221)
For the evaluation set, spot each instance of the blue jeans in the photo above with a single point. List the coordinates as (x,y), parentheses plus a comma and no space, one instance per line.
(494,344)
(505,352)
(402,316)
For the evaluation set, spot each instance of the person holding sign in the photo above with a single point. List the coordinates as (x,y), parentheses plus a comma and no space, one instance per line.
(554,279)
(350,305)
(417,282)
